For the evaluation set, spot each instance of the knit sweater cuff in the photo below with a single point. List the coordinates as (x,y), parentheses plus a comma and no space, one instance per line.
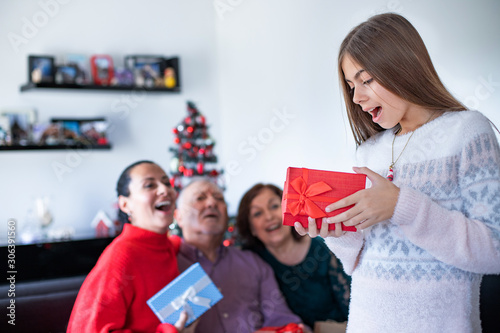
(409,202)
(346,248)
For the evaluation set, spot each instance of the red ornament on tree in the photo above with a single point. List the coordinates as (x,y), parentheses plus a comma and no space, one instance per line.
(201,120)
(200,167)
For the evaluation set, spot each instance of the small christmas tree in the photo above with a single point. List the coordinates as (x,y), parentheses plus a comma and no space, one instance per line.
(193,150)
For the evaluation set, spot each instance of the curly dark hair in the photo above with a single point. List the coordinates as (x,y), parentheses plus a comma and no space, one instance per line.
(249,241)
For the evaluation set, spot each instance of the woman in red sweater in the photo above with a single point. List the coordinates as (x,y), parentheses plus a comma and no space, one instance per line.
(137,264)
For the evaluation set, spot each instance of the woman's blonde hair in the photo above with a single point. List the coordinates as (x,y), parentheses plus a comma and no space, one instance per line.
(391,50)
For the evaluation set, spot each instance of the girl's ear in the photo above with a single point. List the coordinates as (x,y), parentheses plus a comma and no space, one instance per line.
(123,204)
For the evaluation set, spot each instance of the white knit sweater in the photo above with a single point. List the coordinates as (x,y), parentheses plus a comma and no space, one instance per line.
(421,270)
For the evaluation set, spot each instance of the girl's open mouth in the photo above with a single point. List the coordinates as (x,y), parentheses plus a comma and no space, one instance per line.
(376,112)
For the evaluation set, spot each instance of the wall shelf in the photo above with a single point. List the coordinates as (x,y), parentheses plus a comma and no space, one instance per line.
(168,62)
(55,147)
(48,86)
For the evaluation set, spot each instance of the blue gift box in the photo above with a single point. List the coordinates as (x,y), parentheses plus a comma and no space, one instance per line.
(192,291)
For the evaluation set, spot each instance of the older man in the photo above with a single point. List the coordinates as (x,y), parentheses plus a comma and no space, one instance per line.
(252,299)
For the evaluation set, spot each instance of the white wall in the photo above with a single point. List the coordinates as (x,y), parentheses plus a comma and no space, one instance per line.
(246,64)
(142,129)
(282,54)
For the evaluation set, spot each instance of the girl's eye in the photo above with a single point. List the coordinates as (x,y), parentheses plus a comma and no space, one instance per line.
(256,214)
(275,206)
(368,81)
(149,185)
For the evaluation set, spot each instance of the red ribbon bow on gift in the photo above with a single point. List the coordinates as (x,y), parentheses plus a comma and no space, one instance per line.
(290,328)
(304,204)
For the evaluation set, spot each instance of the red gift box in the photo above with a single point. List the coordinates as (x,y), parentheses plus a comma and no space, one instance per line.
(307,192)
(290,328)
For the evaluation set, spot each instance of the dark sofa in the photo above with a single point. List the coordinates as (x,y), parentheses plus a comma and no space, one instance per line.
(50,276)
(41,306)
(47,280)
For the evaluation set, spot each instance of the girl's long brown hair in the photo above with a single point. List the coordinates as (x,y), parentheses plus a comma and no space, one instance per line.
(391,50)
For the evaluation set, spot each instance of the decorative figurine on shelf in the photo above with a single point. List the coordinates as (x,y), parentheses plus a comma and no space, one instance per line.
(123,77)
(50,135)
(169,78)
(103,140)
(43,215)
(3,137)
(4,131)
(103,225)
(18,133)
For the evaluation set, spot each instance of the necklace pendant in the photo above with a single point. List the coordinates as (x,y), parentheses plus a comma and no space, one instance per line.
(390,174)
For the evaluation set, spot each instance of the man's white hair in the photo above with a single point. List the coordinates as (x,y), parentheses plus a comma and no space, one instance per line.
(196,180)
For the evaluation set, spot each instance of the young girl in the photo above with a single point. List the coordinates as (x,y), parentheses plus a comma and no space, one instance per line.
(429,226)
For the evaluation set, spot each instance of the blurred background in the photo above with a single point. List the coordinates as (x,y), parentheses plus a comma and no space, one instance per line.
(263,73)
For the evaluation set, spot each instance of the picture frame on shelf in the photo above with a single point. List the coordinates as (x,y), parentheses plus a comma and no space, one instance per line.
(66,74)
(89,132)
(82,64)
(148,70)
(94,131)
(69,130)
(102,69)
(41,69)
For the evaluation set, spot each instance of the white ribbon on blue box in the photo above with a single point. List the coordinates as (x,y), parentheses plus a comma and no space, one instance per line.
(192,291)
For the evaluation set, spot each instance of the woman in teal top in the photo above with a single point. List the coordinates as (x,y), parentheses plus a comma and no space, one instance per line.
(310,277)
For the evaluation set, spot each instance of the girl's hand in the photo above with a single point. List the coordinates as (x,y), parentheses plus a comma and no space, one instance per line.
(313,231)
(371,205)
(179,325)
(181,322)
